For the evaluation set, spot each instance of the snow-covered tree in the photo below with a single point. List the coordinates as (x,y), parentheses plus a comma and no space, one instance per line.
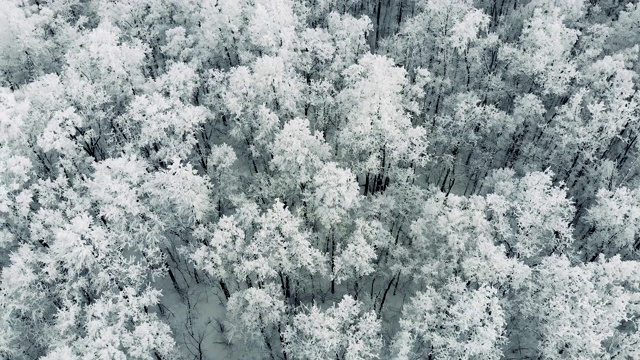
(319,179)
(345,331)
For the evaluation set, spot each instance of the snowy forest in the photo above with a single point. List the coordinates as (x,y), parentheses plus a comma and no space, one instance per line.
(319,179)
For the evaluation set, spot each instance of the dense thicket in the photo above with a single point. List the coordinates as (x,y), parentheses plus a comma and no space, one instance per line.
(319,179)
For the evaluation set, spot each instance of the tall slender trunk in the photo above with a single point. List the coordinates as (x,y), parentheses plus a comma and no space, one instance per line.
(225,289)
(333,249)
(375,44)
(384,296)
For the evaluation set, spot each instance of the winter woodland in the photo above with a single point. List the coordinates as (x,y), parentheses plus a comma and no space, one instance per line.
(319,179)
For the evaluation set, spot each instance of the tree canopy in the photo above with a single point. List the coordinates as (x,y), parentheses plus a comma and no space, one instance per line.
(326,179)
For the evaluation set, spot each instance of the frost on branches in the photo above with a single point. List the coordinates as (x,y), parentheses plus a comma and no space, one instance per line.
(307,180)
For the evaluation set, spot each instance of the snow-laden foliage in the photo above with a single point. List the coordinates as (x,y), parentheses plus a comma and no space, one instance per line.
(326,179)
(343,331)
